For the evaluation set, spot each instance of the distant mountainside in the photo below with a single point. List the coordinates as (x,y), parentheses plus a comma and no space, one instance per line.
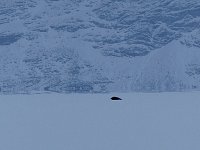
(99,46)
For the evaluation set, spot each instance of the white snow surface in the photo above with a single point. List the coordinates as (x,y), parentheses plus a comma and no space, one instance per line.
(141,121)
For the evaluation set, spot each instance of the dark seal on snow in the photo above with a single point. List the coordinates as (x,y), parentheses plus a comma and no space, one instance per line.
(115,98)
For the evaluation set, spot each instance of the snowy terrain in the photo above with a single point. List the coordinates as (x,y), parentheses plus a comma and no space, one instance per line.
(99,46)
(164,121)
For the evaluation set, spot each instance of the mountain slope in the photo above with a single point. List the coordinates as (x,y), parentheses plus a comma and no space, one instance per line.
(99,46)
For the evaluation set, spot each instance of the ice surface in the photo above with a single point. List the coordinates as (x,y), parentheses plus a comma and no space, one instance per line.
(141,121)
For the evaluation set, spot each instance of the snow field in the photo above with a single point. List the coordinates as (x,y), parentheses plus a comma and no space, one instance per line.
(141,121)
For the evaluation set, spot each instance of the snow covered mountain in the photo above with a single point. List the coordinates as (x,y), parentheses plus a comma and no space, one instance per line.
(99,46)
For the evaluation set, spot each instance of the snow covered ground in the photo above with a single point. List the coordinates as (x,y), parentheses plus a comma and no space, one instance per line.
(142,121)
